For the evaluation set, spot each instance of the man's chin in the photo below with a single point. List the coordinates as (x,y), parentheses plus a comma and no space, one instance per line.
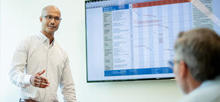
(51,31)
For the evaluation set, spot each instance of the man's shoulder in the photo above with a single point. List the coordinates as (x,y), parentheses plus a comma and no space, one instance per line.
(30,38)
(26,41)
(209,93)
(201,98)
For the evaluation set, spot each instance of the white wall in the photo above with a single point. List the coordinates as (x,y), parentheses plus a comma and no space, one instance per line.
(20,18)
(0,43)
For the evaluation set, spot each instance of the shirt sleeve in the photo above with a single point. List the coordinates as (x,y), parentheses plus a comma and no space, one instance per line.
(19,63)
(67,85)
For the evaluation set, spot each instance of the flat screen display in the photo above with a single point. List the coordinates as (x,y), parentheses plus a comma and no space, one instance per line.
(134,39)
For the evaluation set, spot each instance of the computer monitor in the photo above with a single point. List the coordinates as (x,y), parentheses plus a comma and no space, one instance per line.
(134,39)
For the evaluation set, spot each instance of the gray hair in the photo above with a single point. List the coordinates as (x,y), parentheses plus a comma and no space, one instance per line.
(200,50)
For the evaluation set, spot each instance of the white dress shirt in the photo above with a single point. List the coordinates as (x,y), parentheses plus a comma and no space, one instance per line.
(35,54)
(208,91)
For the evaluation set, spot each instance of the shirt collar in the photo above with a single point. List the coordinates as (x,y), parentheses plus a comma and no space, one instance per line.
(44,39)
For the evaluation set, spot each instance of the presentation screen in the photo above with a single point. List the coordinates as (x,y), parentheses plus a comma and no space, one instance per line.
(134,39)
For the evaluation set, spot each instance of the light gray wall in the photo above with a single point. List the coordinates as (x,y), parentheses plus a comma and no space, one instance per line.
(20,18)
(1,77)
(0,41)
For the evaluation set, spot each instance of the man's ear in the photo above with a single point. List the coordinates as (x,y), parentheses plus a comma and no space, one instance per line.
(183,69)
(41,18)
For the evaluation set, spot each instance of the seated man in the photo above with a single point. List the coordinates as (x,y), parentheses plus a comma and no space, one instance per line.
(197,65)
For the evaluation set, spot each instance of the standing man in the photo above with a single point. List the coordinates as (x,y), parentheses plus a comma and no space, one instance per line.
(40,65)
(197,65)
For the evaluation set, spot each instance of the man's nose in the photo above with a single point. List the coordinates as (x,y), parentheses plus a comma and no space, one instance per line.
(52,22)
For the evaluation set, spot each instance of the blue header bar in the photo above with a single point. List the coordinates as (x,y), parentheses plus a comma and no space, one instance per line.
(142,71)
(113,8)
(106,3)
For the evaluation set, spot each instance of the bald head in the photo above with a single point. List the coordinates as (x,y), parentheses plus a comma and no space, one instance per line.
(49,8)
(50,19)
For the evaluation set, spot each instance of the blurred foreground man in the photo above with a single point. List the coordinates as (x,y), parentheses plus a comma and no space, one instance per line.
(197,65)
(40,65)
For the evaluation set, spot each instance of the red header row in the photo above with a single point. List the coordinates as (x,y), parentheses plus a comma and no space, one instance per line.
(156,3)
